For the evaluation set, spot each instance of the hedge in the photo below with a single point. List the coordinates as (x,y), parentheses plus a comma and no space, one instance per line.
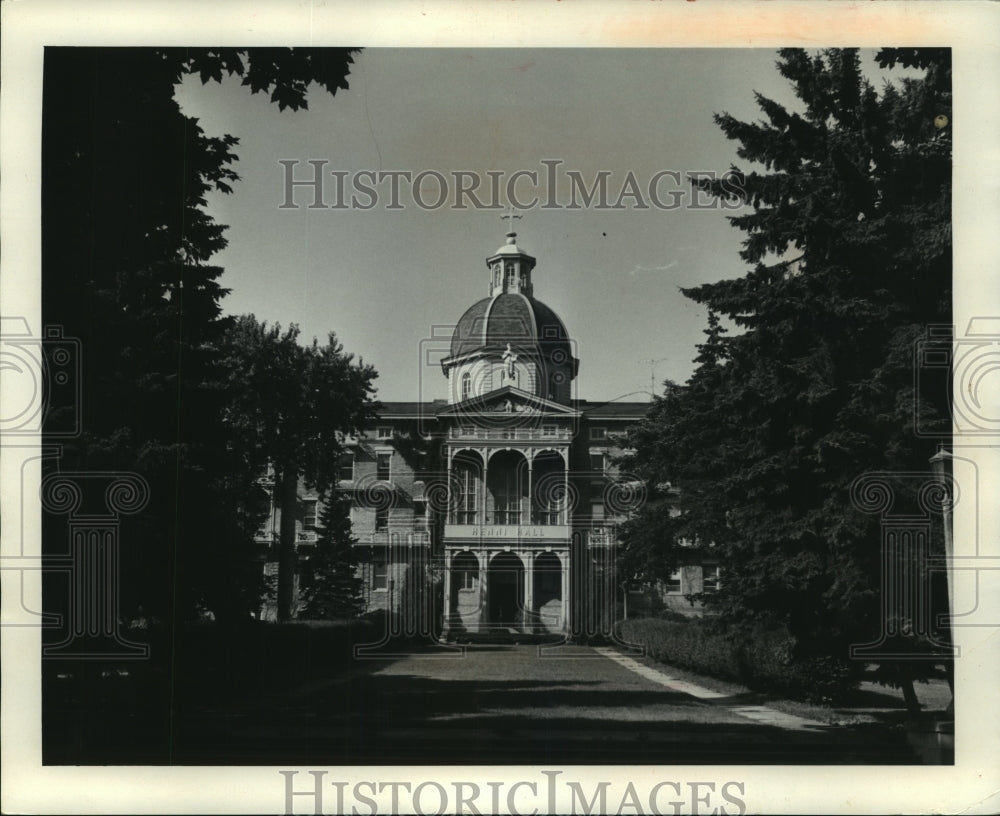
(764,658)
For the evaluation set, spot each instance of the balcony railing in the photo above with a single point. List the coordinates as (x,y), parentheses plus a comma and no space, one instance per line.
(602,536)
(562,434)
(538,518)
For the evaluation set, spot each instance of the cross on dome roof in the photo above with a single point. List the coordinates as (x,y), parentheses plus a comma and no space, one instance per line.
(510,215)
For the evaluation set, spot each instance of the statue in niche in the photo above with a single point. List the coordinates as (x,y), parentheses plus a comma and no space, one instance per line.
(509,358)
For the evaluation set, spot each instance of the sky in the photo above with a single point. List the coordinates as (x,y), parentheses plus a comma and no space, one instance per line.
(390,282)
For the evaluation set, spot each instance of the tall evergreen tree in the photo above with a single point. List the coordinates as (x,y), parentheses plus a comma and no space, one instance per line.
(848,239)
(673,522)
(337,587)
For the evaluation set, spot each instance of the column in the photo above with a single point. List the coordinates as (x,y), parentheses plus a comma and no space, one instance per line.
(484,501)
(483,559)
(564,512)
(529,455)
(564,593)
(529,591)
(449,513)
(447,590)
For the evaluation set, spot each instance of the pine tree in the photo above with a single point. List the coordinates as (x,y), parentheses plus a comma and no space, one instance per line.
(336,591)
(849,246)
(689,417)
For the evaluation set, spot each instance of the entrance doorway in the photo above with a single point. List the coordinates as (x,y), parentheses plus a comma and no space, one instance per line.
(505,591)
(547,593)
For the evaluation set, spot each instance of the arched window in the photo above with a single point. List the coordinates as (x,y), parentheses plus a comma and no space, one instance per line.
(466,478)
(550,502)
(507,484)
(466,385)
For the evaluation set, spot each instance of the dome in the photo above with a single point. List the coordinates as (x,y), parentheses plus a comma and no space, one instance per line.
(517,319)
(511,247)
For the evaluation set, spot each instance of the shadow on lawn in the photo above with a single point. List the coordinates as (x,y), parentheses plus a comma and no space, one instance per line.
(108,712)
(296,697)
(383,719)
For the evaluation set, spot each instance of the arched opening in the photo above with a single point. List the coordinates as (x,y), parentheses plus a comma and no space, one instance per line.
(506,488)
(466,590)
(505,591)
(511,274)
(547,593)
(466,488)
(550,492)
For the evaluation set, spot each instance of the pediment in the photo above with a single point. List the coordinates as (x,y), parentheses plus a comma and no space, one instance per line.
(508,400)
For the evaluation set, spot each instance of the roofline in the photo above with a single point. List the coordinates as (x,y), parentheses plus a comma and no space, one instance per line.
(623,411)
(460,407)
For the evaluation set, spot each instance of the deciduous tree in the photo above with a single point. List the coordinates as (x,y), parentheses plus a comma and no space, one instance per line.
(126,268)
(288,408)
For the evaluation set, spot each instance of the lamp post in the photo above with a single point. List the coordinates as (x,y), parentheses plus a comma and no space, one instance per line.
(941,467)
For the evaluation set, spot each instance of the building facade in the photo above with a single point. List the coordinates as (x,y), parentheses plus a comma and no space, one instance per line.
(496,509)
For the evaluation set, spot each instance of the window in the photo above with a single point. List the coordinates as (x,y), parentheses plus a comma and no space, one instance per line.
(309,514)
(380,575)
(598,433)
(597,462)
(467,579)
(466,385)
(381,518)
(345,468)
(510,275)
(383,432)
(548,430)
(506,498)
(382,470)
(597,512)
(466,484)
(673,584)
(710,578)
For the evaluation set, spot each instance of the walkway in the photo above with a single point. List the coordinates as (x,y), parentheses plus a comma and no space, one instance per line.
(519,705)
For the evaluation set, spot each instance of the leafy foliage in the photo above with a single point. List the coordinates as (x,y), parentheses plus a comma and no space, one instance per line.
(289,407)
(126,249)
(289,403)
(848,240)
(766,657)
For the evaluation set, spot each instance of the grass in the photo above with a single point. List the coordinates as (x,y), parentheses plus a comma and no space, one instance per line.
(870,704)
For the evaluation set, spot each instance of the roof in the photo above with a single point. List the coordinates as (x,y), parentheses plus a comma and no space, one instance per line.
(592,410)
(612,410)
(410,410)
(510,247)
(489,402)
(513,318)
